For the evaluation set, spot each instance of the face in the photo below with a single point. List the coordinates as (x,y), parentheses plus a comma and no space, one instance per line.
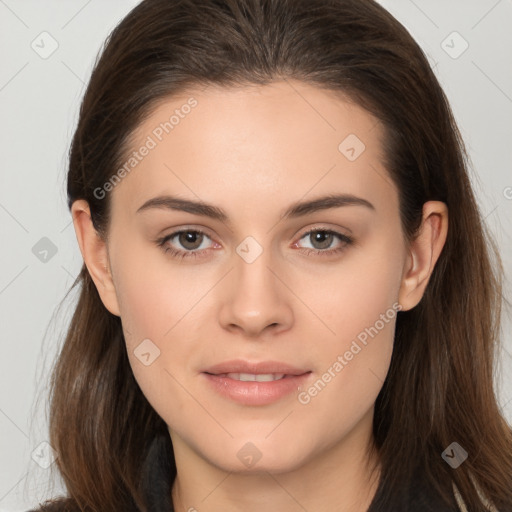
(312,294)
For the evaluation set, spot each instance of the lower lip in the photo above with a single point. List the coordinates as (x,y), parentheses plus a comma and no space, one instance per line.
(256,393)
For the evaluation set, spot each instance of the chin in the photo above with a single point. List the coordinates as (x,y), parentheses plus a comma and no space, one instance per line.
(257,455)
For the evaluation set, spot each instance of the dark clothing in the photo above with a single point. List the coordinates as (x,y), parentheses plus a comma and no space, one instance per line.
(158,473)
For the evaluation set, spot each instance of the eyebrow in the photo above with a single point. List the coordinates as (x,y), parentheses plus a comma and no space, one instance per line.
(298,209)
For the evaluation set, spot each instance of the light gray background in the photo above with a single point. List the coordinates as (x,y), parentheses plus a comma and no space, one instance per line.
(39,99)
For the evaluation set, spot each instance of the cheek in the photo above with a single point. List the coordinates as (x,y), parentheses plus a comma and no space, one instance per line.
(358,307)
(154,293)
(350,295)
(353,366)
(158,344)
(162,315)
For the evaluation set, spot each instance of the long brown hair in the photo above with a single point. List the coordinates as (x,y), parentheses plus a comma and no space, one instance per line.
(439,388)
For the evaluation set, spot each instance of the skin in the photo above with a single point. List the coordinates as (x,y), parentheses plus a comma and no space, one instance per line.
(253,151)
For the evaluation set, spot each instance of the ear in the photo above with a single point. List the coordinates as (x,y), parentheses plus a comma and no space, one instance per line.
(95,254)
(424,252)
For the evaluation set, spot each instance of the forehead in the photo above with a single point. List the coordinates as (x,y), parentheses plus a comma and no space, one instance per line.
(255,145)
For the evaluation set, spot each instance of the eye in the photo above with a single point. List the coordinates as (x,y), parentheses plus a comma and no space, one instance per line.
(190,239)
(323,239)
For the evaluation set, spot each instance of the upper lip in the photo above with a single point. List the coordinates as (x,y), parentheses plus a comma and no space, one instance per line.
(254,368)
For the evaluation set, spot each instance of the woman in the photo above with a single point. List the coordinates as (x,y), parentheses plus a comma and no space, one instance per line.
(214,361)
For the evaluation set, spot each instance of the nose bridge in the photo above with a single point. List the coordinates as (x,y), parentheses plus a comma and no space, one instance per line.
(257,298)
(254,279)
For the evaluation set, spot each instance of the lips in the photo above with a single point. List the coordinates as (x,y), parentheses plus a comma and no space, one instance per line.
(255,383)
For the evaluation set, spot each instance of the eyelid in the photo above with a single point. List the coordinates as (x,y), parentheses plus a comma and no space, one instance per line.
(324,227)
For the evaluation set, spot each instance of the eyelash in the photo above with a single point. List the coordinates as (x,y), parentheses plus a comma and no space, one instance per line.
(180,255)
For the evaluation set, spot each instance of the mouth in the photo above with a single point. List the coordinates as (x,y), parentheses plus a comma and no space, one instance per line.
(259,383)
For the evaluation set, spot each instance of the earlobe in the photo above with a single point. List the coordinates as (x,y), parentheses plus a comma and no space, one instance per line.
(423,254)
(95,254)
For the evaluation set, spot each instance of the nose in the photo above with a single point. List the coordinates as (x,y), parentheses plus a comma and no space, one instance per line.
(256,297)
